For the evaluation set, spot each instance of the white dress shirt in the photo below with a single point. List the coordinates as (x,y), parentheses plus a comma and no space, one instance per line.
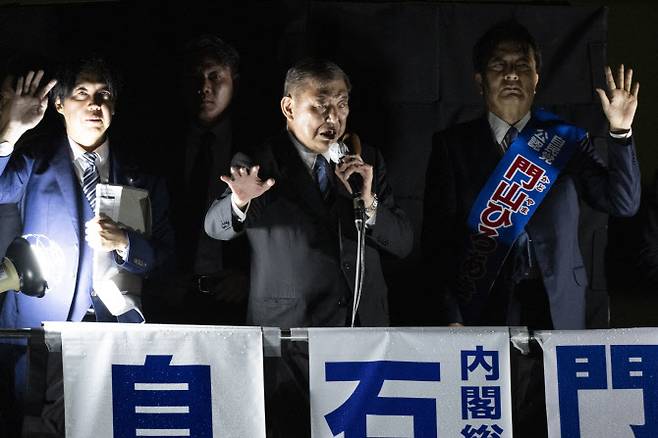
(499,127)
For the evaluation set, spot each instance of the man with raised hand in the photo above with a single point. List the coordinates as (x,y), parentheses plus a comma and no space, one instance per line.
(54,181)
(503,191)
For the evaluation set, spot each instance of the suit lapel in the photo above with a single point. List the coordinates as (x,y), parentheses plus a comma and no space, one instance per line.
(68,184)
(298,179)
(486,152)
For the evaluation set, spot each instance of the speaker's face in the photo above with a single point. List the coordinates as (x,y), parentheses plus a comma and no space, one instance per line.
(317,113)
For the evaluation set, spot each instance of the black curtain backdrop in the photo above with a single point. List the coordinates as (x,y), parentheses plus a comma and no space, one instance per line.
(410,64)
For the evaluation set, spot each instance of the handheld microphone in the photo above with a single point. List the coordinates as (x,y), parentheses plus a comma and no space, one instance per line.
(351,143)
(356,184)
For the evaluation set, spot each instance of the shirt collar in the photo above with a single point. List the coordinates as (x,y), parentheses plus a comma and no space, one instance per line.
(103,151)
(499,127)
(307,155)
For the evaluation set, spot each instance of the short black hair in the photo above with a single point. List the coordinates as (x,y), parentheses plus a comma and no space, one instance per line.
(94,66)
(506,31)
(321,70)
(213,47)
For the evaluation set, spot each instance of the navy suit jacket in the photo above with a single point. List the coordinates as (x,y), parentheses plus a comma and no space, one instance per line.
(303,251)
(42,180)
(462,159)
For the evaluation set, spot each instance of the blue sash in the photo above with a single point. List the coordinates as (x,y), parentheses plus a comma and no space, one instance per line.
(510,197)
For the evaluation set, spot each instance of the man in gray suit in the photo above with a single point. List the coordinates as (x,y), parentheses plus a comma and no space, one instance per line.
(297,211)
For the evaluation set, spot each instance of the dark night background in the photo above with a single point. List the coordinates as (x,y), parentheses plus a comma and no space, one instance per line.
(411,71)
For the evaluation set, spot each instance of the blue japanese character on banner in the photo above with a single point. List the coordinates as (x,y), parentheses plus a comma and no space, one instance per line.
(578,367)
(636,367)
(156,399)
(484,431)
(481,402)
(479,359)
(584,367)
(350,417)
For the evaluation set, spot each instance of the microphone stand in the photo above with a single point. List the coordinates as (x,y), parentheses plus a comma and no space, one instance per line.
(359,272)
(359,221)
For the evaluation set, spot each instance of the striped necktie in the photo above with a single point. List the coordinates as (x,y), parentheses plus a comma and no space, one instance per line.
(90,178)
(509,138)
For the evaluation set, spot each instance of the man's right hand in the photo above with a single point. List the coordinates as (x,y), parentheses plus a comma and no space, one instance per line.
(22,107)
(246,185)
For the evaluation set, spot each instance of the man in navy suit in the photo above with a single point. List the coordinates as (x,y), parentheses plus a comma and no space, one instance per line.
(53,181)
(541,282)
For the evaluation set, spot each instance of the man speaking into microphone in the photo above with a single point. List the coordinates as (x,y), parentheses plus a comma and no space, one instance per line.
(293,200)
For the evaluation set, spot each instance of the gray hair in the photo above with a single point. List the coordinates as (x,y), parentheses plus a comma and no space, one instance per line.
(321,70)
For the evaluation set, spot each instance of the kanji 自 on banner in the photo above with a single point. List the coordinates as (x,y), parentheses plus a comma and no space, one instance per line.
(601,383)
(410,382)
(127,380)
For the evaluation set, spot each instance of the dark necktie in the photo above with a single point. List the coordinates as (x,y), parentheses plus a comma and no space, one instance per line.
(509,138)
(90,178)
(200,173)
(321,172)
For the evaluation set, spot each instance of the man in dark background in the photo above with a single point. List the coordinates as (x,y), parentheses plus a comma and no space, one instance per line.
(207,287)
(298,214)
(541,283)
(303,239)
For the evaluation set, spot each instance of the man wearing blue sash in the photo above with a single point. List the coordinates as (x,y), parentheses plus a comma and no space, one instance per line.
(503,191)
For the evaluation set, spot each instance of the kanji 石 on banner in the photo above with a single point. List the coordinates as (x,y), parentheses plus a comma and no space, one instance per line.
(416,383)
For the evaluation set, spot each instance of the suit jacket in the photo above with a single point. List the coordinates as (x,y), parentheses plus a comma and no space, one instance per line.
(303,251)
(42,180)
(464,156)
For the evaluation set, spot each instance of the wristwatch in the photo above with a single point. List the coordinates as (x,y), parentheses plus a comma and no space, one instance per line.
(370,210)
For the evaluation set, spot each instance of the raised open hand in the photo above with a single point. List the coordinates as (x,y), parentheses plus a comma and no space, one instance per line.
(22,107)
(620,102)
(246,185)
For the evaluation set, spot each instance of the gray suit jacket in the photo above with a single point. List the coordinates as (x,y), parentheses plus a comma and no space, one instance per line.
(303,251)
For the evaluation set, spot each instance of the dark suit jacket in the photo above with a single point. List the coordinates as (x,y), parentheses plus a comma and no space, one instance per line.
(303,251)
(42,180)
(462,159)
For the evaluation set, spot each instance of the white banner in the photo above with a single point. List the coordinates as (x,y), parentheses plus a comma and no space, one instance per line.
(601,383)
(410,382)
(129,380)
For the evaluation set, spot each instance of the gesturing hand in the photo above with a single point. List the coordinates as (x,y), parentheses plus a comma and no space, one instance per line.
(620,102)
(22,107)
(246,185)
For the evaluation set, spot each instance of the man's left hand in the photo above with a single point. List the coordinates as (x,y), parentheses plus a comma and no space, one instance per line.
(103,234)
(620,102)
(350,164)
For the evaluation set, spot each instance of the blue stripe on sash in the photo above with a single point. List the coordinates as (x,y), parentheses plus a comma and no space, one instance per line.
(510,197)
